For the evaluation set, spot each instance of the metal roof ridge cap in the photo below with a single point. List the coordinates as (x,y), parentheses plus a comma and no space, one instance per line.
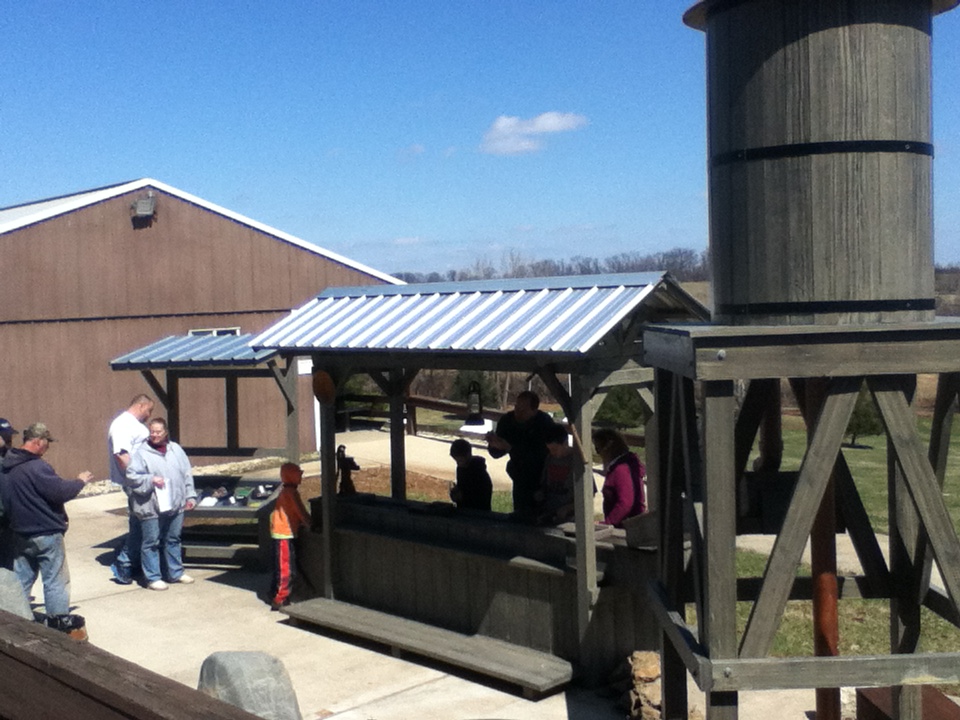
(506,285)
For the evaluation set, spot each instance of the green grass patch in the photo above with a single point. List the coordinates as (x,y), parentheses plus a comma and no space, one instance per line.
(868,465)
(864,624)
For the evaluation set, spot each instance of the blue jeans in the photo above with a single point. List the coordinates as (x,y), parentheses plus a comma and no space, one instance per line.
(46,555)
(160,553)
(127,563)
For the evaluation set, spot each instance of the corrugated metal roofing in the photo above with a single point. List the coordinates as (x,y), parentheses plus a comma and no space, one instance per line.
(19,216)
(194,351)
(530,315)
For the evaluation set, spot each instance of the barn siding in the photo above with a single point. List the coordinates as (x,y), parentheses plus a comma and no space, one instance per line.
(81,289)
(91,263)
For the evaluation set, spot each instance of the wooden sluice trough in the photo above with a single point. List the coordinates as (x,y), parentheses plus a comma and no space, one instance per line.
(476,591)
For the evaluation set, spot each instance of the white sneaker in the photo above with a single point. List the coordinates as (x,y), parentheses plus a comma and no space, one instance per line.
(183,579)
(157,585)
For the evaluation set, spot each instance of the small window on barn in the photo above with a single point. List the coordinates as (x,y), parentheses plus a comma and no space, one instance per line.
(215,331)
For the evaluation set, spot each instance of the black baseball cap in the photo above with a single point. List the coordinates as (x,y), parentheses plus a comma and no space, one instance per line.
(6,428)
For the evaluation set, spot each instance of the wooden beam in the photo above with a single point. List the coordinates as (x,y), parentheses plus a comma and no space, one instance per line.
(681,637)
(859,528)
(920,480)
(818,462)
(944,411)
(732,352)
(795,673)
(752,410)
(570,408)
(631,374)
(157,388)
(217,374)
(49,675)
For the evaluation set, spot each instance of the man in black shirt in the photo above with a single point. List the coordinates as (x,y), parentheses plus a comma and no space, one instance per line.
(522,433)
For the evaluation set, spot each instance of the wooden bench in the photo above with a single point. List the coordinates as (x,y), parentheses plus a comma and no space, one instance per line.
(537,673)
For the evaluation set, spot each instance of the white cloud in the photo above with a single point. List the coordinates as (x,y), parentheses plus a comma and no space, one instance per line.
(514,136)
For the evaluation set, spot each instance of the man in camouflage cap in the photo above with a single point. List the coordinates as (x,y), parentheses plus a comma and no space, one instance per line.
(33,497)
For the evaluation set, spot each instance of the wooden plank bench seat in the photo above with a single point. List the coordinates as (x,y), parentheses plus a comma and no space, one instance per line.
(537,673)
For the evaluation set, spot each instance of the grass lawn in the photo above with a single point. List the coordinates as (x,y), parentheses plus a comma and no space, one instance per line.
(864,624)
(868,464)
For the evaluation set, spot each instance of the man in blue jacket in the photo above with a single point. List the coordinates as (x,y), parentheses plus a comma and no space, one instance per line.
(33,497)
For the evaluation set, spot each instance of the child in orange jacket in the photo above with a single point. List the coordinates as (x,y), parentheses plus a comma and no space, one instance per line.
(288,516)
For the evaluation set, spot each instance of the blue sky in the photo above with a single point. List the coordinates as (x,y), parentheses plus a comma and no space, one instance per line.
(413,136)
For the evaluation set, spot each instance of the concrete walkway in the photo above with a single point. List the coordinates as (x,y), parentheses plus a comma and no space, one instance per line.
(172,632)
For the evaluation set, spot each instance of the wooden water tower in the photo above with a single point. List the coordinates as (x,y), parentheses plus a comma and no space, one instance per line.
(821,248)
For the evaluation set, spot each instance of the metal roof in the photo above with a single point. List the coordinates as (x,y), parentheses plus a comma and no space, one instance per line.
(194,351)
(20,216)
(558,316)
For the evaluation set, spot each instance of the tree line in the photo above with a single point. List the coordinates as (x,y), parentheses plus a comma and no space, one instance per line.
(684,264)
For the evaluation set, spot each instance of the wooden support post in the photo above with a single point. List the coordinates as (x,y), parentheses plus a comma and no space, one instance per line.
(720,538)
(290,382)
(905,550)
(651,436)
(823,553)
(586,537)
(398,453)
(287,380)
(173,407)
(231,410)
(664,473)
(944,411)
(920,481)
(325,390)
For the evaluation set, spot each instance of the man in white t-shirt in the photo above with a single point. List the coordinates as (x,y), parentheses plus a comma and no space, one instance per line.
(127,432)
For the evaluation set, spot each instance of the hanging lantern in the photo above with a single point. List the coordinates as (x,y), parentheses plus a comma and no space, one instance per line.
(474,405)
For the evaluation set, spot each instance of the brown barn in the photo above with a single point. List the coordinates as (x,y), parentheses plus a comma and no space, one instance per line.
(90,276)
